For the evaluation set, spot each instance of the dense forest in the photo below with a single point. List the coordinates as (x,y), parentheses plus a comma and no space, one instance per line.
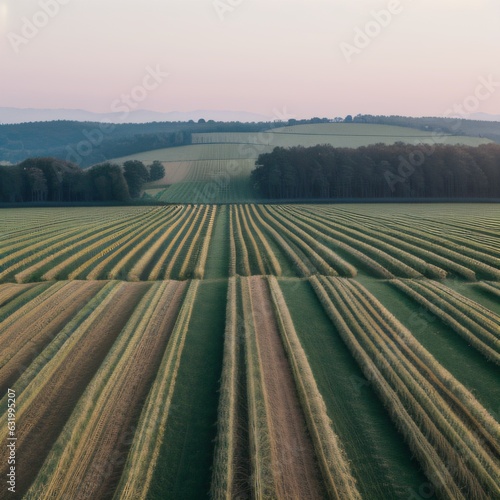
(53,180)
(453,126)
(87,143)
(380,171)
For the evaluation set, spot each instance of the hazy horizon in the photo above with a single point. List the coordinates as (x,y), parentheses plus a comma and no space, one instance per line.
(276,59)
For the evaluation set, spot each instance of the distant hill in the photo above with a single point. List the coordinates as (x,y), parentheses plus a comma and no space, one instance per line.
(89,142)
(485,117)
(486,127)
(21,115)
(216,167)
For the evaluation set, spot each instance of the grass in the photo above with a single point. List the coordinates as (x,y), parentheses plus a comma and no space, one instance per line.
(217,263)
(184,464)
(330,452)
(450,350)
(289,240)
(226,452)
(448,451)
(263,480)
(81,456)
(23,298)
(474,292)
(378,381)
(484,341)
(381,463)
(146,446)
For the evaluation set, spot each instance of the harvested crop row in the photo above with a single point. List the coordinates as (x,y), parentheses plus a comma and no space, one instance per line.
(280,417)
(316,241)
(388,251)
(260,432)
(18,302)
(127,241)
(75,263)
(188,219)
(432,236)
(51,387)
(68,245)
(297,248)
(225,462)
(199,271)
(302,264)
(233,259)
(30,250)
(446,258)
(150,234)
(491,287)
(331,456)
(195,244)
(484,341)
(140,465)
(187,241)
(270,261)
(480,262)
(139,267)
(33,239)
(8,291)
(420,387)
(459,397)
(366,254)
(422,448)
(88,457)
(250,242)
(326,261)
(242,258)
(22,340)
(488,320)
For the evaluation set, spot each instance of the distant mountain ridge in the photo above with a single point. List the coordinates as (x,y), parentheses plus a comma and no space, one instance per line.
(12,116)
(486,117)
(9,116)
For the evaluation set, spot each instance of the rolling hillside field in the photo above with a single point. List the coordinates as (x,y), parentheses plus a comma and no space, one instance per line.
(216,167)
(252,351)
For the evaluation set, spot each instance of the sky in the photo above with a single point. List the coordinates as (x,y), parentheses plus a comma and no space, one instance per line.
(277,58)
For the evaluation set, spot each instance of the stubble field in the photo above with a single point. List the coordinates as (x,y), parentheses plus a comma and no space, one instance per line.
(252,351)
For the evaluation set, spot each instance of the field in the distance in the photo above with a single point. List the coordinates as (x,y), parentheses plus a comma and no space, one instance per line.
(216,167)
(252,351)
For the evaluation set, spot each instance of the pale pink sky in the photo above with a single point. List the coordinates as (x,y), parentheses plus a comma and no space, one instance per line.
(252,55)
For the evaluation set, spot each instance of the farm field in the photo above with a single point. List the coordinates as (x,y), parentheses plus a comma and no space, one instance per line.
(216,166)
(252,351)
(176,241)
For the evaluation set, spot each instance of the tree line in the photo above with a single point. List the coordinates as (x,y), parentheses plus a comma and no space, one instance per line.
(54,180)
(440,125)
(89,143)
(380,171)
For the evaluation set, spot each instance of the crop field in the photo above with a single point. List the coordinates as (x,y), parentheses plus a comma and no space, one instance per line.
(173,242)
(252,351)
(216,166)
(351,135)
